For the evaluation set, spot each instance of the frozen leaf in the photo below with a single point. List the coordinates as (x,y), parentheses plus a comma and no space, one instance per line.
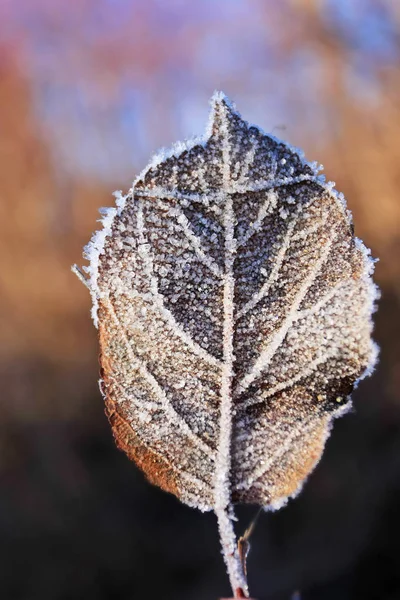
(234,312)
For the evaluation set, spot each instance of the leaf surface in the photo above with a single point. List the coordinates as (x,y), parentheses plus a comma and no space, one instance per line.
(234,312)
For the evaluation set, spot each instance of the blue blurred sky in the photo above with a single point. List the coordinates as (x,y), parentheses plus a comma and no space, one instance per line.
(113,80)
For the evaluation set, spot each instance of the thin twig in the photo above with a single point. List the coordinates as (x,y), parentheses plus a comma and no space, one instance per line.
(244,544)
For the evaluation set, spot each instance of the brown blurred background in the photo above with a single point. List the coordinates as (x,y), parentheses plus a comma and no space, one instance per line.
(89,89)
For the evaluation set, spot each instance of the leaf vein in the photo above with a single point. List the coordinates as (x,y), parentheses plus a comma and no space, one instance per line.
(173,416)
(159,300)
(200,483)
(269,351)
(303,429)
(263,291)
(284,385)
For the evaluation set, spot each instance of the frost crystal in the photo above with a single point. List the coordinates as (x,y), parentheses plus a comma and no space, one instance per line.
(234,313)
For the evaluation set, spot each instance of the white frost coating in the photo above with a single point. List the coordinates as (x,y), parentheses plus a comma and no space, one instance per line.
(281,502)
(245,456)
(268,352)
(94,249)
(158,298)
(333,293)
(373,296)
(96,245)
(218,271)
(290,382)
(193,481)
(273,275)
(303,428)
(305,233)
(263,186)
(267,207)
(222,498)
(169,410)
(75,269)
(164,194)
(244,168)
(198,246)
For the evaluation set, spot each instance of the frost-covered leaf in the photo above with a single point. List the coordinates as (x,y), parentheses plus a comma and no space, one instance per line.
(233,305)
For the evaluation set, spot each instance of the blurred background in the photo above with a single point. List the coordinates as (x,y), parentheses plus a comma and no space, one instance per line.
(89,89)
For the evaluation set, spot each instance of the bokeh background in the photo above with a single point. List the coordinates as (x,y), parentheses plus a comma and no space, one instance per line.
(89,89)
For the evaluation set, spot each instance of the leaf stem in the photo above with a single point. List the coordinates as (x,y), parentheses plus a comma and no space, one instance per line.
(233,563)
(244,544)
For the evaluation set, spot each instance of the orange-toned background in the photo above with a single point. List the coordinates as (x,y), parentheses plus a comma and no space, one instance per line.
(88,91)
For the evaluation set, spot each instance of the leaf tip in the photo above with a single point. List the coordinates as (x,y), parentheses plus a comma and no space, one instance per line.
(221,109)
(219,97)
